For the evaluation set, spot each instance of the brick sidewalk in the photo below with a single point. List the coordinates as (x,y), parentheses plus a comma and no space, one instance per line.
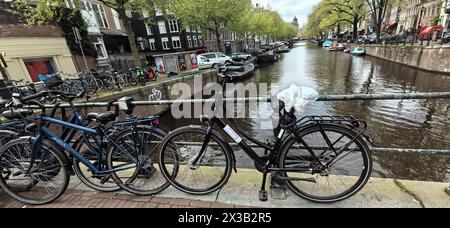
(88,199)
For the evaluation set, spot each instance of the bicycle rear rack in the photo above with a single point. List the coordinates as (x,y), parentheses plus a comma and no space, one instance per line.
(351,122)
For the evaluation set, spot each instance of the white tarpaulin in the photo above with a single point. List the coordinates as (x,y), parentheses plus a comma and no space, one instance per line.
(297,97)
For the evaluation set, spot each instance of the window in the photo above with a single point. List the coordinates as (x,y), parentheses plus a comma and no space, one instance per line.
(162,27)
(152,43)
(195,41)
(189,39)
(116,19)
(200,40)
(173,26)
(210,56)
(101,15)
(36,67)
(149,30)
(158,12)
(188,28)
(176,43)
(165,43)
(101,50)
(198,29)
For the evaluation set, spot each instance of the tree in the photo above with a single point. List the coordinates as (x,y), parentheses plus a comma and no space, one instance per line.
(44,12)
(211,15)
(378,9)
(66,18)
(315,26)
(351,11)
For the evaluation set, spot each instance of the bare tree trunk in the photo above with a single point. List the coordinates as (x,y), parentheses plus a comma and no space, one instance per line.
(131,38)
(219,41)
(355,29)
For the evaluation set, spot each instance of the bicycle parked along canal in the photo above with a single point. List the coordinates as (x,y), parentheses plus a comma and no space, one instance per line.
(34,169)
(323,159)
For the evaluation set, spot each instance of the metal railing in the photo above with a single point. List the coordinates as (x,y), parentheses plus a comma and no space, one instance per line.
(330,98)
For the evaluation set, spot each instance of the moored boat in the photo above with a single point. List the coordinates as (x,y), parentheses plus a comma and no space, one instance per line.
(358,51)
(240,72)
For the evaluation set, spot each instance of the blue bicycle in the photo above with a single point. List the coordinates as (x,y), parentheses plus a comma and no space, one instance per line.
(33,170)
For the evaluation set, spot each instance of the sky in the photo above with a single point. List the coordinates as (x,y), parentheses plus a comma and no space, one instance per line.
(290,8)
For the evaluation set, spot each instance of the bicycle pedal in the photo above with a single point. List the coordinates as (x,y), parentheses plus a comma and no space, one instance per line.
(263,196)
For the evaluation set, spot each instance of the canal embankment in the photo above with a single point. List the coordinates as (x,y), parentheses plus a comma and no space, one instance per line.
(164,85)
(434,58)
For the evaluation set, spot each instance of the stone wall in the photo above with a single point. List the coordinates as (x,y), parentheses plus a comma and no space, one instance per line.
(432,58)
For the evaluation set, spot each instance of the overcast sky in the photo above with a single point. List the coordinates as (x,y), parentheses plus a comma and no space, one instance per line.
(290,8)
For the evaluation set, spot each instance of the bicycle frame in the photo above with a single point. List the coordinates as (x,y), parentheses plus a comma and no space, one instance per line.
(45,132)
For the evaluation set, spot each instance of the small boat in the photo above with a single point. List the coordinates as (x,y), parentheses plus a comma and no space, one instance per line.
(239,72)
(337,47)
(358,51)
(283,49)
(348,51)
(327,43)
(268,57)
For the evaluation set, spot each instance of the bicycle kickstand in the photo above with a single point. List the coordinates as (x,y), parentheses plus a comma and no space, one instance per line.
(263,196)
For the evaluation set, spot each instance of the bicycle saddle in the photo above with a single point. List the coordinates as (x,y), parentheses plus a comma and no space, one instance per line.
(16,113)
(104,117)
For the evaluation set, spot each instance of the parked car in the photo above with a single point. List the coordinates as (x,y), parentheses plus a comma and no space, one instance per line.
(204,63)
(217,58)
(371,39)
(238,57)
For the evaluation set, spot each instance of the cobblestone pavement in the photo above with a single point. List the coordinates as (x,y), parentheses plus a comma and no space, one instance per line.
(88,199)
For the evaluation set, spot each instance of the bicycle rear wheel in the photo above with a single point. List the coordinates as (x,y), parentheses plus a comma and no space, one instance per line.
(101,183)
(178,152)
(342,163)
(138,147)
(46,182)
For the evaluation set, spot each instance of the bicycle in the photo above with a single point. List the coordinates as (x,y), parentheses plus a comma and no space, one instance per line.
(33,170)
(311,155)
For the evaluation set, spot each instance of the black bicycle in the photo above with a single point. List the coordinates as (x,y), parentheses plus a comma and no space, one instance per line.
(323,159)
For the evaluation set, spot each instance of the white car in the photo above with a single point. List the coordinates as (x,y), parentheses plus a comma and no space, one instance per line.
(217,58)
(204,63)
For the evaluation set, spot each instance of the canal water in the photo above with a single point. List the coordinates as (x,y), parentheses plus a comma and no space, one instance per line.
(401,124)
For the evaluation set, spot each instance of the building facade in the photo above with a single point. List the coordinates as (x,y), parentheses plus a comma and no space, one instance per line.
(230,42)
(445,15)
(165,35)
(32,50)
(106,32)
(415,13)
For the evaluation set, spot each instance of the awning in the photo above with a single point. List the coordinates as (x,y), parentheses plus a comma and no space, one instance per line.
(391,26)
(431,29)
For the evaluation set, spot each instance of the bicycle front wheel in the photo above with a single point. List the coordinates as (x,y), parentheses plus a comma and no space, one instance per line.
(47,180)
(335,164)
(177,156)
(138,149)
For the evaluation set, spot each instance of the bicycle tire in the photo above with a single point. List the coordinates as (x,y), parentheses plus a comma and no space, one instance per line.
(355,188)
(172,177)
(15,192)
(77,168)
(147,174)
